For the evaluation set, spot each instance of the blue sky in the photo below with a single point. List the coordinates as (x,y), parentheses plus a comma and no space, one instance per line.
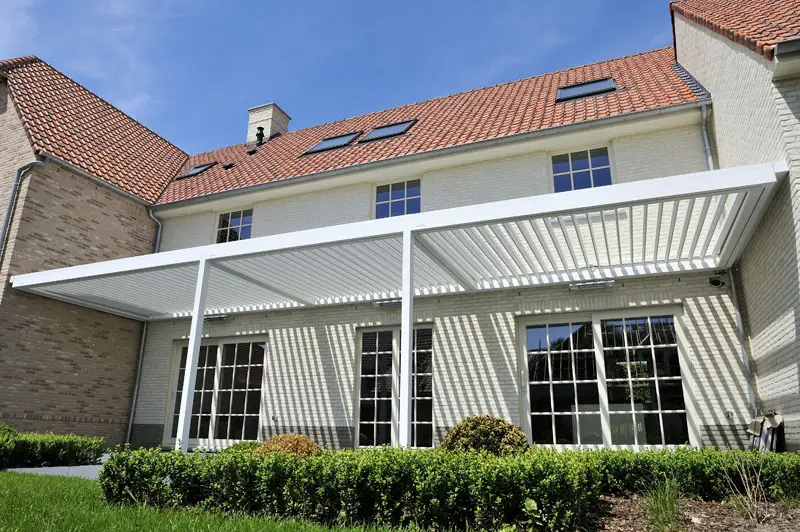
(189,69)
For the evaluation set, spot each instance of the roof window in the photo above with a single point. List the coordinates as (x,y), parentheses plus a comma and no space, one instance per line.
(589,88)
(331,143)
(196,170)
(392,130)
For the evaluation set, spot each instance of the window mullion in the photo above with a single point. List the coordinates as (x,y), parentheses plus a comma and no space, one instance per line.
(212,426)
(550,384)
(574,385)
(655,378)
(630,379)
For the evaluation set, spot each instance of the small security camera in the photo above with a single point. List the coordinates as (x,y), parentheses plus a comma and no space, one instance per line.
(716,282)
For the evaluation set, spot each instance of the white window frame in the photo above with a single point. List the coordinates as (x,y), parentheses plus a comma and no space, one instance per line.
(687,378)
(374,198)
(217,215)
(213,443)
(555,153)
(395,330)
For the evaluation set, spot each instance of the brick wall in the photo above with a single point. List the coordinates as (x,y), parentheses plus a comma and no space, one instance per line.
(311,367)
(67,368)
(756,120)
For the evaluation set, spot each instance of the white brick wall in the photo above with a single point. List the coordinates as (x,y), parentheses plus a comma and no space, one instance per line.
(658,154)
(645,156)
(756,120)
(311,368)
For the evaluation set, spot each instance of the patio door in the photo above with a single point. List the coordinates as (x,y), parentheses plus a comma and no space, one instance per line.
(378,384)
(227,393)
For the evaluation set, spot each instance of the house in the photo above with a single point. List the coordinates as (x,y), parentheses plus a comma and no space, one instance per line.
(605,255)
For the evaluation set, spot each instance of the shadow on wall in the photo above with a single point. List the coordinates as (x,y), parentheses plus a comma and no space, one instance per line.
(309,383)
(714,358)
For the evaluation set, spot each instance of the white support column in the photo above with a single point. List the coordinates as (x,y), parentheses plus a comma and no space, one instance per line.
(195,338)
(406,340)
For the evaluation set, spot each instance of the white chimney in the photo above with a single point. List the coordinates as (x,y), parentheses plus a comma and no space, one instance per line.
(269,116)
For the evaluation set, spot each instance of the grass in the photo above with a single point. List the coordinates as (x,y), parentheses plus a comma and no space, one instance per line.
(661,505)
(45,503)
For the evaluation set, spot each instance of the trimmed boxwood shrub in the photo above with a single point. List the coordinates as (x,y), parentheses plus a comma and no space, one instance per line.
(492,434)
(37,450)
(700,472)
(7,430)
(432,489)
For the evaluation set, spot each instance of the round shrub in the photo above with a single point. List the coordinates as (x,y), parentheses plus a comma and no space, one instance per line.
(485,433)
(7,431)
(294,444)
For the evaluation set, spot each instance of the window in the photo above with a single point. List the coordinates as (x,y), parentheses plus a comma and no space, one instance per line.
(581,169)
(227,392)
(391,130)
(589,88)
(196,170)
(643,386)
(377,381)
(333,142)
(234,226)
(643,381)
(398,199)
(562,384)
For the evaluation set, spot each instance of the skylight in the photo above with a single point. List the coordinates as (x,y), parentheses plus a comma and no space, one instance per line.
(196,170)
(392,130)
(334,142)
(590,88)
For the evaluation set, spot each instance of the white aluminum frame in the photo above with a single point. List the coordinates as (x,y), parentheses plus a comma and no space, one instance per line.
(115,286)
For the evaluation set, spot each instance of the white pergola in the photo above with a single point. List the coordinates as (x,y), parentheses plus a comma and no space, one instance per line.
(691,222)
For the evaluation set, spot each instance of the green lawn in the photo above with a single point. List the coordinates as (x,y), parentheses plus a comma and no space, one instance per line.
(45,503)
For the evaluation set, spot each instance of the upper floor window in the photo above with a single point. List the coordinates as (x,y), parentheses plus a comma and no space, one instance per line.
(398,199)
(234,226)
(581,169)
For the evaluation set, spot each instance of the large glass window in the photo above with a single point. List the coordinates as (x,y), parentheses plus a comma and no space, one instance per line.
(398,199)
(233,226)
(562,384)
(581,169)
(377,382)
(643,382)
(227,391)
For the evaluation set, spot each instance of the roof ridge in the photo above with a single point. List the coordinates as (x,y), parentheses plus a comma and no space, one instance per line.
(13,62)
(453,95)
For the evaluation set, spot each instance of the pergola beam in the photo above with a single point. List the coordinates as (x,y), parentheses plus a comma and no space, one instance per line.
(445,263)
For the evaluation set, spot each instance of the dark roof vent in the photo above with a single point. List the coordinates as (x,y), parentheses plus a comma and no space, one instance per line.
(228,166)
(260,136)
(252,151)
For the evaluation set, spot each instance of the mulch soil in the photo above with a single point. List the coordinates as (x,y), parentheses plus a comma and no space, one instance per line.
(617,514)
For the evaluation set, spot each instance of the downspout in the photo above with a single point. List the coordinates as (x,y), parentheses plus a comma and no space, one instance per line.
(739,322)
(12,200)
(156,248)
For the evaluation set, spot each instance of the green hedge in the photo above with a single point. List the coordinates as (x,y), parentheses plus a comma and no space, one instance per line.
(700,472)
(432,489)
(36,450)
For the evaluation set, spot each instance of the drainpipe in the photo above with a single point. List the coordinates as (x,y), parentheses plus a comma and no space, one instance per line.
(12,199)
(743,347)
(706,144)
(739,322)
(156,248)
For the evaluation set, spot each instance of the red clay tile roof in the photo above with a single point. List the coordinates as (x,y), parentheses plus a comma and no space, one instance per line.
(645,82)
(65,120)
(757,24)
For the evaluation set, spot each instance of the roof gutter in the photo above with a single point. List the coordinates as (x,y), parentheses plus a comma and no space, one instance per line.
(706,143)
(788,50)
(452,150)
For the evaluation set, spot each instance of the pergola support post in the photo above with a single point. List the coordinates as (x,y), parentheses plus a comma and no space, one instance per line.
(195,338)
(406,340)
